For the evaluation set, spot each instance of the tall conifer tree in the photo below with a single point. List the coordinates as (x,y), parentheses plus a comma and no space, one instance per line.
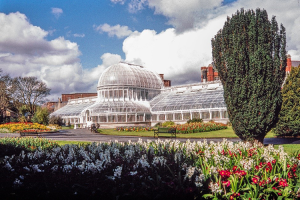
(250,56)
(289,116)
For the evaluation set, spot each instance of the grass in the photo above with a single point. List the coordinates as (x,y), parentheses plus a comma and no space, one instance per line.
(63,142)
(290,148)
(225,133)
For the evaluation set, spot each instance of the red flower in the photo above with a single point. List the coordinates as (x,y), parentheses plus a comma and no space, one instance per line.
(283,183)
(226,183)
(273,161)
(234,168)
(255,180)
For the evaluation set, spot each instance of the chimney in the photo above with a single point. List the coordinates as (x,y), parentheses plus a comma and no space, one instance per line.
(288,63)
(161,76)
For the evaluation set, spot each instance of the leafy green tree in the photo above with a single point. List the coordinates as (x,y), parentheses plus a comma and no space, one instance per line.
(289,116)
(250,56)
(41,116)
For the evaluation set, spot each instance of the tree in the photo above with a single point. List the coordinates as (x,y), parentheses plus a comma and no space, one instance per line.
(41,116)
(4,95)
(289,116)
(250,56)
(29,91)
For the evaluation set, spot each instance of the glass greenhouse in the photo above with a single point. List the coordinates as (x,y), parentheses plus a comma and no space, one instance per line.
(129,94)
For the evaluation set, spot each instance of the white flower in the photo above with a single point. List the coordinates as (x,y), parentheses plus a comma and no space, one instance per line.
(67,168)
(26,168)
(159,160)
(133,173)
(142,161)
(36,168)
(214,187)
(54,168)
(17,182)
(190,172)
(8,166)
(118,172)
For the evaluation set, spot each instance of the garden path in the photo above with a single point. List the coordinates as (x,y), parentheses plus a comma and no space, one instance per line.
(86,135)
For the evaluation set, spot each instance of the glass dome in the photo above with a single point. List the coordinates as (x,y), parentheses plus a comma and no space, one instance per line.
(124,74)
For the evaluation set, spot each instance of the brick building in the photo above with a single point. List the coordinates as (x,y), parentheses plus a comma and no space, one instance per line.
(210,73)
(67,97)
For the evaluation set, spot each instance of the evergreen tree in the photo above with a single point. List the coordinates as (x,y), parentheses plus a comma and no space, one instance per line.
(289,116)
(250,56)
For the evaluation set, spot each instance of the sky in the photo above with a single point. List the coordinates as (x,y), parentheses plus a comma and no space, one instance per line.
(68,43)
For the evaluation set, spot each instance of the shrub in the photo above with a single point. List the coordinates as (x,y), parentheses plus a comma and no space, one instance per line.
(41,116)
(158,124)
(56,120)
(194,120)
(168,124)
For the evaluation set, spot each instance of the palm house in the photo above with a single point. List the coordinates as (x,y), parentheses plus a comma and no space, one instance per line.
(131,95)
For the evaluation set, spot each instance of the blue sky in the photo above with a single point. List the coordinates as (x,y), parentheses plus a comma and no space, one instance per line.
(68,43)
(79,17)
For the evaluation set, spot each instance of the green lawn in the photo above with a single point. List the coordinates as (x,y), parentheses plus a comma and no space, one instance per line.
(226,133)
(63,142)
(290,148)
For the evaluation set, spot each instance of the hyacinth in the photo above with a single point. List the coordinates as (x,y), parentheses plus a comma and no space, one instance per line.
(217,170)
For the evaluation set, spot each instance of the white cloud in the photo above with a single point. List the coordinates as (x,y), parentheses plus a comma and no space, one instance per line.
(118,1)
(56,12)
(26,52)
(182,15)
(180,56)
(117,30)
(136,5)
(79,35)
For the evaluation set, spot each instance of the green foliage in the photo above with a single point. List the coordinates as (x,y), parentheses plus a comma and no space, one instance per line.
(250,56)
(168,124)
(41,116)
(289,116)
(158,124)
(56,120)
(194,120)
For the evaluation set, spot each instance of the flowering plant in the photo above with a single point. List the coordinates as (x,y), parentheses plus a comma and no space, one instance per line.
(24,126)
(158,169)
(197,127)
(134,128)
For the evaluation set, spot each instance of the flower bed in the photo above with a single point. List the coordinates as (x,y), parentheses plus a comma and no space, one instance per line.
(134,128)
(200,127)
(27,126)
(152,170)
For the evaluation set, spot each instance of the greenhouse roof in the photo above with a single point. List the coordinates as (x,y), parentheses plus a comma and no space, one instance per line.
(72,109)
(188,100)
(124,74)
(119,107)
